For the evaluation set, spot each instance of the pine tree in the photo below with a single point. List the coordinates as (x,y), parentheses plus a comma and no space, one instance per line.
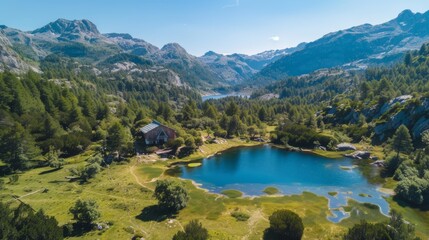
(117,138)
(402,142)
(17,146)
(408,59)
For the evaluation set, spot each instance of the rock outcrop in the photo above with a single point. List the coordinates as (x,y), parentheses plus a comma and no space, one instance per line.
(345,147)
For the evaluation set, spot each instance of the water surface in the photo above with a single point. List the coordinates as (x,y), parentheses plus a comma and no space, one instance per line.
(219,96)
(252,169)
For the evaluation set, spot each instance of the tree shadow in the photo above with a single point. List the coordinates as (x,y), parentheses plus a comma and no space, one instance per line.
(59,181)
(423,207)
(77,229)
(155,213)
(49,171)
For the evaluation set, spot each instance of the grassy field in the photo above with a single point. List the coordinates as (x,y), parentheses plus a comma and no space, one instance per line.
(124,194)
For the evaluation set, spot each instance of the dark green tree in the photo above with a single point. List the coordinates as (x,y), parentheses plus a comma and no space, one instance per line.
(235,126)
(365,231)
(413,190)
(17,146)
(408,59)
(193,230)
(399,229)
(284,224)
(85,211)
(232,109)
(171,195)
(209,111)
(262,114)
(24,223)
(53,159)
(190,142)
(117,138)
(402,142)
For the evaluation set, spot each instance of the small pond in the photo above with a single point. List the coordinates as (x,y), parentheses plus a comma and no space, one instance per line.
(219,96)
(252,169)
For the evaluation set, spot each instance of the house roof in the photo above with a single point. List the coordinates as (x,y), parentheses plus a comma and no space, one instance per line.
(151,126)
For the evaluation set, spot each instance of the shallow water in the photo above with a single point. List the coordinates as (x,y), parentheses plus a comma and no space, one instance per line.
(252,169)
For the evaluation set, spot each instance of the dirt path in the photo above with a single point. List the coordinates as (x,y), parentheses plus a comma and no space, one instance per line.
(128,216)
(256,217)
(28,194)
(137,180)
(135,176)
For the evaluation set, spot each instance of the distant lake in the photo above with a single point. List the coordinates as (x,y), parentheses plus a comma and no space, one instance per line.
(252,169)
(219,96)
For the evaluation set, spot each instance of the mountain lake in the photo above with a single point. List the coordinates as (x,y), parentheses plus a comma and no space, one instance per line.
(252,169)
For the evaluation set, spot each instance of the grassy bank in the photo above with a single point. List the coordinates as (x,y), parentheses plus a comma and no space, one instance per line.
(211,149)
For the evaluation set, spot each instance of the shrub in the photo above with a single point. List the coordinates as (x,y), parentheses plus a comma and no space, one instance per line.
(271,190)
(151,149)
(13,179)
(240,216)
(231,193)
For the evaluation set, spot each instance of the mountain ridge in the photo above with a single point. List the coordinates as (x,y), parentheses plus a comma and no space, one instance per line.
(355,47)
(81,39)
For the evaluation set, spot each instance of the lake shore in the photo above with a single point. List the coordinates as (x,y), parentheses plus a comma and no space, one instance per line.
(209,150)
(322,153)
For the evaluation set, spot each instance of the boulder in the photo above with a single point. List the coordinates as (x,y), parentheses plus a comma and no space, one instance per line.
(378,163)
(359,155)
(345,147)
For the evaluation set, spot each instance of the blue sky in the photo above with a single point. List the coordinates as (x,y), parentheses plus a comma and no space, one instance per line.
(224,26)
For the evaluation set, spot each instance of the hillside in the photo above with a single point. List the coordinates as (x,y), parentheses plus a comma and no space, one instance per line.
(355,48)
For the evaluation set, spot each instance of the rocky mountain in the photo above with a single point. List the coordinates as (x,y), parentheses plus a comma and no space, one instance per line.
(132,45)
(356,47)
(236,68)
(81,41)
(10,59)
(66,30)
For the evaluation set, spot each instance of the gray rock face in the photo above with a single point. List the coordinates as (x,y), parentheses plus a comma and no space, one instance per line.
(414,117)
(398,100)
(10,59)
(229,68)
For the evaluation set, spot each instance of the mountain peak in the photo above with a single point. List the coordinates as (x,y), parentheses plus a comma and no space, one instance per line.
(211,53)
(405,15)
(173,47)
(62,26)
